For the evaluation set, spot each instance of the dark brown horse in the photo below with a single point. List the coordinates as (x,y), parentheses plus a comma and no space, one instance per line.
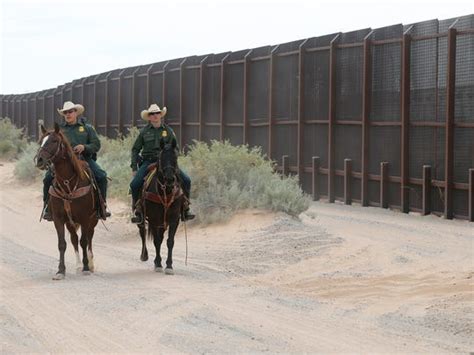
(71,198)
(163,200)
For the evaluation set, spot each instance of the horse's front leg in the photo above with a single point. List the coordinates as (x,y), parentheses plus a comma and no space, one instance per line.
(170,243)
(85,260)
(61,274)
(157,233)
(142,229)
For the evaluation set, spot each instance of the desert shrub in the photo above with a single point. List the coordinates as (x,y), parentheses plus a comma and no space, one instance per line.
(114,158)
(12,140)
(227,178)
(25,169)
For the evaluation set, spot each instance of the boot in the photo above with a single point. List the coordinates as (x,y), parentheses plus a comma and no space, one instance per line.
(137,212)
(186,214)
(46,213)
(103,192)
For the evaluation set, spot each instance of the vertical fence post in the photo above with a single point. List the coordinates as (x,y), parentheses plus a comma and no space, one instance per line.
(163,85)
(450,91)
(106,104)
(135,109)
(315,178)
(285,165)
(245,101)
(366,96)
(94,121)
(270,100)
(426,200)
(202,73)
(300,143)
(383,184)
(471,195)
(222,98)
(148,85)
(348,181)
(405,110)
(332,118)
(181,101)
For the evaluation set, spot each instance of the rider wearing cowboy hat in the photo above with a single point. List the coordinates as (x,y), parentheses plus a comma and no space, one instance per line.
(84,141)
(148,142)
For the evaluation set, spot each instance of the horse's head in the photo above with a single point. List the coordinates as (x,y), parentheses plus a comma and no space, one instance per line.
(168,162)
(51,144)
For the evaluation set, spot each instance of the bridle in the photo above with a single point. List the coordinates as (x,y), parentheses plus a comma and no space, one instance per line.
(52,156)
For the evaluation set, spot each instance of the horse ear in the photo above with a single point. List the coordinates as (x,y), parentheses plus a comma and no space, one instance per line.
(56,127)
(173,144)
(43,130)
(162,144)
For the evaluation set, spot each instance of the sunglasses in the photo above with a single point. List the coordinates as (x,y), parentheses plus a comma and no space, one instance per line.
(154,113)
(69,111)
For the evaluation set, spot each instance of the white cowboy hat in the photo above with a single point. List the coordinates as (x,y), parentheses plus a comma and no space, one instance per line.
(68,105)
(152,109)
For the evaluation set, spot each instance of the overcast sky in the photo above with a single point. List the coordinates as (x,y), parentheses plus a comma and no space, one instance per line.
(48,43)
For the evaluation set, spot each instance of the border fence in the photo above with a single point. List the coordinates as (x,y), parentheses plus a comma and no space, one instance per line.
(381,117)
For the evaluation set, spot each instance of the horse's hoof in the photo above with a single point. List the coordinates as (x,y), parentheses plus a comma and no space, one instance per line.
(144,258)
(158,269)
(169,271)
(59,276)
(86,272)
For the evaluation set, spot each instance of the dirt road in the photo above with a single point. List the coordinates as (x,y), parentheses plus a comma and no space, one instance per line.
(339,279)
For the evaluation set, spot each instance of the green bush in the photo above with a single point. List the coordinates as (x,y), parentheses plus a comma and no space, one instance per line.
(25,168)
(114,158)
(226,178)
(12,140)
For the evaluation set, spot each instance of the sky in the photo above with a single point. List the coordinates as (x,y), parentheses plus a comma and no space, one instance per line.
(45,44)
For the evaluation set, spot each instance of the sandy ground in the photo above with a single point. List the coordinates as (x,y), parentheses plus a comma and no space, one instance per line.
(338,279)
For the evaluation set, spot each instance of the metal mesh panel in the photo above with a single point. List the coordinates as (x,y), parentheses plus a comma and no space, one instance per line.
(156,89)
(384,146)
(415,196)
(423,80)
(48,107)
(32,121)
(57,103)
(88,101)
(355,185)
(348,146)
(258,136)
(258,90)
(141,99)
(112,106)
(233,89)
(212,95)
(393,193)
(373,191)
(285,88)
(66,96)
(100,106)
(191,95)
(442,57)
(463,153)
(285,142)
(315,138)
(386,76)
(306,182)
(464,91)
(126,103)
(349,72)
(316,85)
(190,133)
(426,146)
(323,185)
(460,202)
(77,93)
(172,95)
(210,132)
(234,135)
(339,187)
(437,199)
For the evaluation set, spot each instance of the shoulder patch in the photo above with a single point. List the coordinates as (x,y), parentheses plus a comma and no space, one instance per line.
(164,133)
(81,129)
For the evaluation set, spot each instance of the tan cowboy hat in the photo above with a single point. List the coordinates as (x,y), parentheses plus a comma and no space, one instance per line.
(152,109)
(68,105)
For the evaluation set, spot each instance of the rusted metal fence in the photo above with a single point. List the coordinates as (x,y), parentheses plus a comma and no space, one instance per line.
(381,117)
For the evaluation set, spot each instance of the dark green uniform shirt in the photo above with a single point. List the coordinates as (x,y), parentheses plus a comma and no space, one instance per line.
(148,141)
(82,133)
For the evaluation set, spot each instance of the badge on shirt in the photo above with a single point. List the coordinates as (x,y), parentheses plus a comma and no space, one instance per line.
(164,134)
(81,129)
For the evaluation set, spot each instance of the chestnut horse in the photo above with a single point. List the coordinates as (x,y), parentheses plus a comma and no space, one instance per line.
(71,197)
(162,201)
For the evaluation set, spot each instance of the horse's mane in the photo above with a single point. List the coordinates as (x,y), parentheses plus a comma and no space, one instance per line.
(77,165)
